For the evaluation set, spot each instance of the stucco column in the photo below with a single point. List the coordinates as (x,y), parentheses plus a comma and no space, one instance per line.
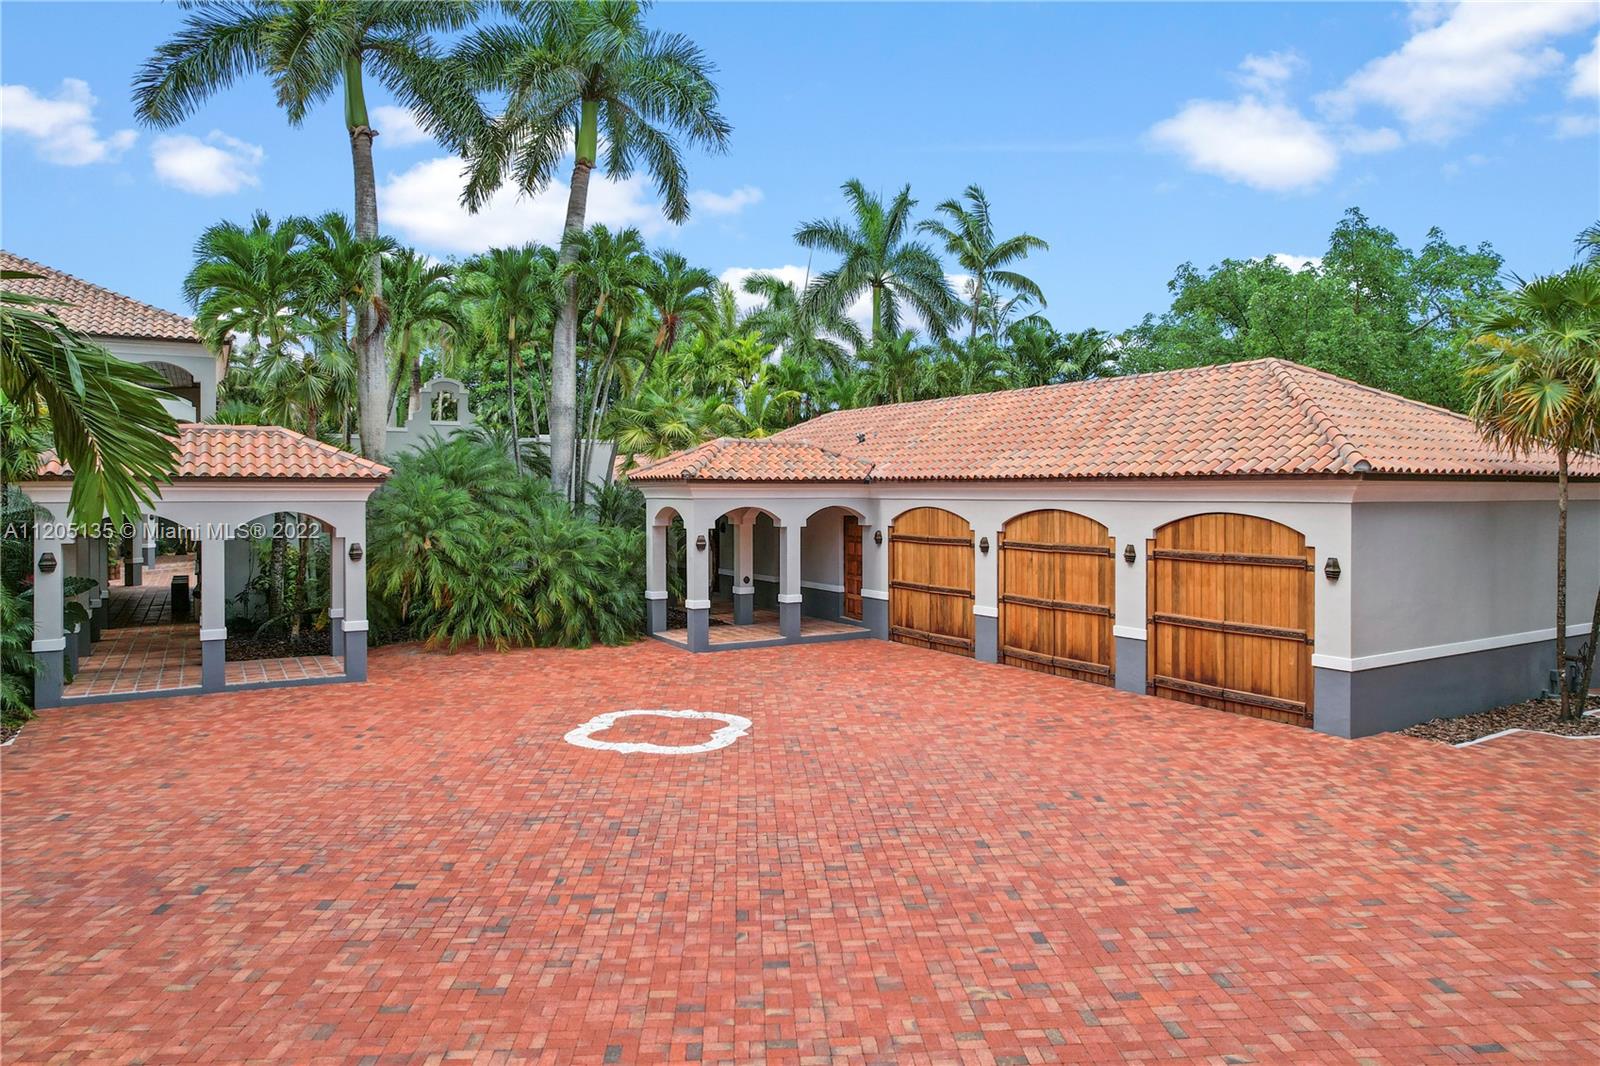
(213,611)
(875,579)
(134,574)
(77,550)
(986,598)
(147,540)
(697,588)
(655,577)
(789,596)
(744,568)
(49,641)
(336,561)
(101,549)
(355,604)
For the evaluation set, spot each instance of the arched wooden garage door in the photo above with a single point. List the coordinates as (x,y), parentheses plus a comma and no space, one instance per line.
(930,580)
(1231,616)
(1057,594)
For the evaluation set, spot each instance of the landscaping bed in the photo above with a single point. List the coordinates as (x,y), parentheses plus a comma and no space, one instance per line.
(1539,715)
(279,646)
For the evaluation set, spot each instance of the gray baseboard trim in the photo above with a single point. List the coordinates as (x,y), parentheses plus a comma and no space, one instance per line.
(875,616)
(213,665)
(1130,664)
(47,678)
(699,628)
(746,645)
(355,655)
(822,603)
(193,690)
(985,638)
(658,615)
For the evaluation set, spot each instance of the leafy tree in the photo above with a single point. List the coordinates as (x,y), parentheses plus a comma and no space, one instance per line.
(968,236)
(309,50)
(569,71)
(877,258)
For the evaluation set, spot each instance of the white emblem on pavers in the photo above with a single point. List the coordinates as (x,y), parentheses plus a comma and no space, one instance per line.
(733,728)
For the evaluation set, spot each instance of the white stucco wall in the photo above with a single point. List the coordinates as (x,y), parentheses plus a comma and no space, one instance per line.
(194,357)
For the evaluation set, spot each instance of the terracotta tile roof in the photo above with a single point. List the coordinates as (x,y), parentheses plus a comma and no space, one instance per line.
(1259,418)
(768,459)
(98,312)
(252,453)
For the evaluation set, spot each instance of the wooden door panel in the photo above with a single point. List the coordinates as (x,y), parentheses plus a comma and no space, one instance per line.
(931,571)
(852,567)
(1057,588)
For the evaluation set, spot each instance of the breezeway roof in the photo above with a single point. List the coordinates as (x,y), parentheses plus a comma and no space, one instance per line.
(1265,417)
(90,309)
(251,453)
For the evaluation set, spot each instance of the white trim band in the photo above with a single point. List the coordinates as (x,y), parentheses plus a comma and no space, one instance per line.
(220,633)
(1442,651)
(874,594)
(651,594)
(49,644)
(697,605)
(355,625)
(821,586)
(335,612)
(1131,632)
(743,590)
(985,612)
(790,597)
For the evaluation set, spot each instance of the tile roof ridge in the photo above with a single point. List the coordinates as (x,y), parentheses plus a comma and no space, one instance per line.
(1373,389)
(1350,454)
(43,269)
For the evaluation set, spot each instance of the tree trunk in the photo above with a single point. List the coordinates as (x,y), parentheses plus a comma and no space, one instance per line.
(299,607)
(1586,668)
(372,378)
(511,392)
(877,292)
(1567,708)
(276,565)
(562,404)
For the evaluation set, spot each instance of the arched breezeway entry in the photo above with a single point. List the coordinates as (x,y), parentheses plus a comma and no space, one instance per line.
(1231,610)
(1058,595)
(931,580)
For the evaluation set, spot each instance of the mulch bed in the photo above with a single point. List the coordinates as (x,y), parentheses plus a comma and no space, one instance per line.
(279,646)
(1539,715)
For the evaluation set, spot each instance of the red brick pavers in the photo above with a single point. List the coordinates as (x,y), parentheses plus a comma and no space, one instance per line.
(911,858)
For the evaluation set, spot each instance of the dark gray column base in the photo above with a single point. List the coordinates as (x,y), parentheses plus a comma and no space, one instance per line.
(48,680)
(97,620)
(83,643)
(213,664)
(789,621)
(355,655)
(875,616)
(744,607)
(336,636)
(699,628)
(986,638)
(822,603)
(150,555)
(657,618)
(1130,664)
(135,572)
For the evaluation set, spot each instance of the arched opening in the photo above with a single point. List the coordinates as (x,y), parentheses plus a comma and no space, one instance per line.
(278,580)
(931,567)
(182,391)
(1231,602)
(830,564)
(1058,595)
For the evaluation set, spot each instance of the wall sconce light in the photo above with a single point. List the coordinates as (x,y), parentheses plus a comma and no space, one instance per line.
(47,563)
(983,545)
(1130,555)
(356,553)
(747,579)
(700,543)
(877,537)
(1331,570)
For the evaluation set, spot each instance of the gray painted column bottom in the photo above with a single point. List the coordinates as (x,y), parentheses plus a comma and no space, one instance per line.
(699,628)
(875,616)
(213,664)
(81,644)
(150,555)
(657,617)
(744,606)
(789,621)
(97,622)
(135,573)
(986,638)
(48,679)
(1130,664)
(336,637)
(355,655)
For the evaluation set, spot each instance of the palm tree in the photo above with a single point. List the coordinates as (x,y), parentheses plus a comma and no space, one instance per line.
(1038,355)
(514,285)
(798,326)
(105,414)
(1588,244)
(678,293)
(420,296)
(897,368)
(309,50)
(969,238)
(877,258)
(341,263)
(570,70)
(1535,383)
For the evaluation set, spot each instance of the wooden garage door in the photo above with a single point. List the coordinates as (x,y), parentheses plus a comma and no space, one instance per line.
(1231,616)
(930,580)
(1057,593)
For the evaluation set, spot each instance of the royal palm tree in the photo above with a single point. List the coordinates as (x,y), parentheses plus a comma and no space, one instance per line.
(967,232)
(514,286)
(569,71)
(798,326)
(609,270)
(309,50)
(1534,381)
(877,258)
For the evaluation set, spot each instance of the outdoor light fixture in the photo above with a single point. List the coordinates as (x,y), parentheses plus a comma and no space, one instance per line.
(983,545)
(700,543)
(356,553)
(47,563)
(1129,556)
(1330,569)
(877,537)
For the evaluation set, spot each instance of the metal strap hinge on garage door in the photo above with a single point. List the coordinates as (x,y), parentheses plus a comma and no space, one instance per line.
(1057,605)
(1232,695)
(1245,628)
(1066,549)
(931,638)
(1294,562)
(1056,660)
(937,590)
(925,538)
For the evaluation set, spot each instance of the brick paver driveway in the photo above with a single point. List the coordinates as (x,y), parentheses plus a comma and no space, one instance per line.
(910,858)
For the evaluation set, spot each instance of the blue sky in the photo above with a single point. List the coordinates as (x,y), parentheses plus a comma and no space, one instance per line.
(1131,137)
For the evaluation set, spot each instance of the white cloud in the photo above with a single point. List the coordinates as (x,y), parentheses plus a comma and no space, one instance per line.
(734,278)
(61,126)
(1586,73)
(1460,62)
(1268,73)
(732,203)
(1266,144)
(397,127)
(1365,142)
(216,166)
(424,203)
(1571,127)
(1296,263)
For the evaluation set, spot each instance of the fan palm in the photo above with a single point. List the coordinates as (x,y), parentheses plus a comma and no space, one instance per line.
(571,71)
(1535,383)
(309,50)
(877,258)
(967,232)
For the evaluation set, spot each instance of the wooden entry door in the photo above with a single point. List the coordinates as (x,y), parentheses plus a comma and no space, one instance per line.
(852,567)
(1231,626)
(1058,596)
(930,581)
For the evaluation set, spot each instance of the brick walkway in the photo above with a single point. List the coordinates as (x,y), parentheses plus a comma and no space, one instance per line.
(912,858)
